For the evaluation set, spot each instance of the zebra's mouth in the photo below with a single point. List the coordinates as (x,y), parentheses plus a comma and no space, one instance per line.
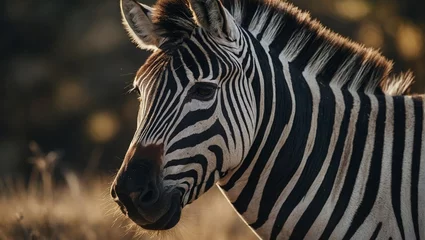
(168,220)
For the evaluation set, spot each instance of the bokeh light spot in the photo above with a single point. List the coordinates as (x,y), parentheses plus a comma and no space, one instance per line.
(102,126)
(70,96)
(371,35)
(410,42)
(352,9)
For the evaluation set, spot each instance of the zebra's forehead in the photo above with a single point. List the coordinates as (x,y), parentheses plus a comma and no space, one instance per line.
(151,70)
(192,60)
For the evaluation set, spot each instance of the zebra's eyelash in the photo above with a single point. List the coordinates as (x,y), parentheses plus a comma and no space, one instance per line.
(135,90)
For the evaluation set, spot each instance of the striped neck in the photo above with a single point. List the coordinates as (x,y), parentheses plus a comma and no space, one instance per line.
(321,150)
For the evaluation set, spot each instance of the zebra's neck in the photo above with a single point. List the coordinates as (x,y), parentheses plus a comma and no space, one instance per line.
(323,153)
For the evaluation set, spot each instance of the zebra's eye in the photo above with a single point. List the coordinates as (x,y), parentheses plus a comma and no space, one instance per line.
(203,91)
(137,90)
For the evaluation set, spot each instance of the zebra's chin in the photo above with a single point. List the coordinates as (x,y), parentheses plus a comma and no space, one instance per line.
(167,221)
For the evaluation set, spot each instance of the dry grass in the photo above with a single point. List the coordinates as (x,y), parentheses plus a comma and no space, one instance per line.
(82,209)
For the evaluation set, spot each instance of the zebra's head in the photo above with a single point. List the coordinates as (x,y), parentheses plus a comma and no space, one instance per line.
(197,111)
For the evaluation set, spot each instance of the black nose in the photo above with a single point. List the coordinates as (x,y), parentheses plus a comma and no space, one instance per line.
(136,188)
(148,195)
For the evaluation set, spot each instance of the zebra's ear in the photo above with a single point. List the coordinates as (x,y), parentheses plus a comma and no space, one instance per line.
(214,17)
(137,19)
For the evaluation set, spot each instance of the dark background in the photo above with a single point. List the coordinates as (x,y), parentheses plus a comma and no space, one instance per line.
(66,65)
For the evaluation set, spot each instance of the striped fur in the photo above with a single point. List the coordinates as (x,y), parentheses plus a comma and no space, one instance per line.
(309,135)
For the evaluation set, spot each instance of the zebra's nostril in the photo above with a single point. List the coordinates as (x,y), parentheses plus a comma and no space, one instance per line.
(149,196)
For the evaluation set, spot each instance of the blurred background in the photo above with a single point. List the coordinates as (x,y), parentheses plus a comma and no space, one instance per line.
(66,67)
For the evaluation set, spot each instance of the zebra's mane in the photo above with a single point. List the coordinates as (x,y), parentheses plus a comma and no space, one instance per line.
(290,32)
(305,41)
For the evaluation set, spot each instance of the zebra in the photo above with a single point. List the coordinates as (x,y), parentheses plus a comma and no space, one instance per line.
(308,134)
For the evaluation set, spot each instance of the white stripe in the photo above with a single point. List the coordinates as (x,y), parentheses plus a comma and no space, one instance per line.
(405,198)
(421,187)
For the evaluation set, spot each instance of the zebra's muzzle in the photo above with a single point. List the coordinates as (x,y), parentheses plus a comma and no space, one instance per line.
(141,196)
(149,209)
(139,191)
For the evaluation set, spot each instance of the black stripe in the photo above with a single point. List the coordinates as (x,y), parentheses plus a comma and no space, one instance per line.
(178,69)
(334,63)
(281,118)
(227,68)
(171,83)
(247,61)
(200,57)
(416,163)
(183,192)
(191,140)
(216,52)
(190,119)
(283,35)
(292,152)
(310,48)
(218,152)
(181,189)
(188,174)
(248,12)
(213,53)
(374,176)
(166,83)
(198,159)
(190,62)
(397,158)
(244,103)
(210,181)
(376,232)
(290,156)
(351,175)
(219,166)
(314,163)
(227,120)
(235,125)
(261,55)
(316,205)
